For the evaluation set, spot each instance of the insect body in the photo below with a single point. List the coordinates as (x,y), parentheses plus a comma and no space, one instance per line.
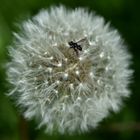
(77,46)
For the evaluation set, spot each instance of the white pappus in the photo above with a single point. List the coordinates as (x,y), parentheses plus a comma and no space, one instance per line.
(68,69)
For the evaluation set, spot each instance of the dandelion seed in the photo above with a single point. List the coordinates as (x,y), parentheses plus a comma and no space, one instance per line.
(91,74)
(49,69)
(60,88)
(65,76)
(71,86)
(58,82)
(45,53)
(77,72)
(101,54)
(51,58)
(59,64)
(80,58)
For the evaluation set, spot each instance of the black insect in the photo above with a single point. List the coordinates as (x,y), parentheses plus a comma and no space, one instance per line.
(78,46)
(75,46)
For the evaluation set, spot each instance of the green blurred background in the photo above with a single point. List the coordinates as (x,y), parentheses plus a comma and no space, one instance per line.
(124,15)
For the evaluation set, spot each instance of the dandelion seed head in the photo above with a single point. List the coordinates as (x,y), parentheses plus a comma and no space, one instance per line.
(65,88)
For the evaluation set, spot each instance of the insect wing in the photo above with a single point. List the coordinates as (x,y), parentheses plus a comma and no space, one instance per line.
(83,42)
(79,47)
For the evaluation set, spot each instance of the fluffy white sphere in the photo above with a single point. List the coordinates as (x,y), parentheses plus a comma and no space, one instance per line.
(68,70)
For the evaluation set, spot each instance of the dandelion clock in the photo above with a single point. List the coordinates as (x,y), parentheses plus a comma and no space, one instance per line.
(68,69)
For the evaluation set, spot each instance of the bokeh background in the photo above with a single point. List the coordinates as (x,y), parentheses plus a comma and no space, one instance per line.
(123,15)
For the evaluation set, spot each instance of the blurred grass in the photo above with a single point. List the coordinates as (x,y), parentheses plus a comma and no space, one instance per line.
(124,15)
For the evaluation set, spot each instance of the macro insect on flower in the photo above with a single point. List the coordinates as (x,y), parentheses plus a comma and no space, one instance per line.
(68,69)
(76,46)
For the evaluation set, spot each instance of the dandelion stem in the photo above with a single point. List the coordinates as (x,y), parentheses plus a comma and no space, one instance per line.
(23,128)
